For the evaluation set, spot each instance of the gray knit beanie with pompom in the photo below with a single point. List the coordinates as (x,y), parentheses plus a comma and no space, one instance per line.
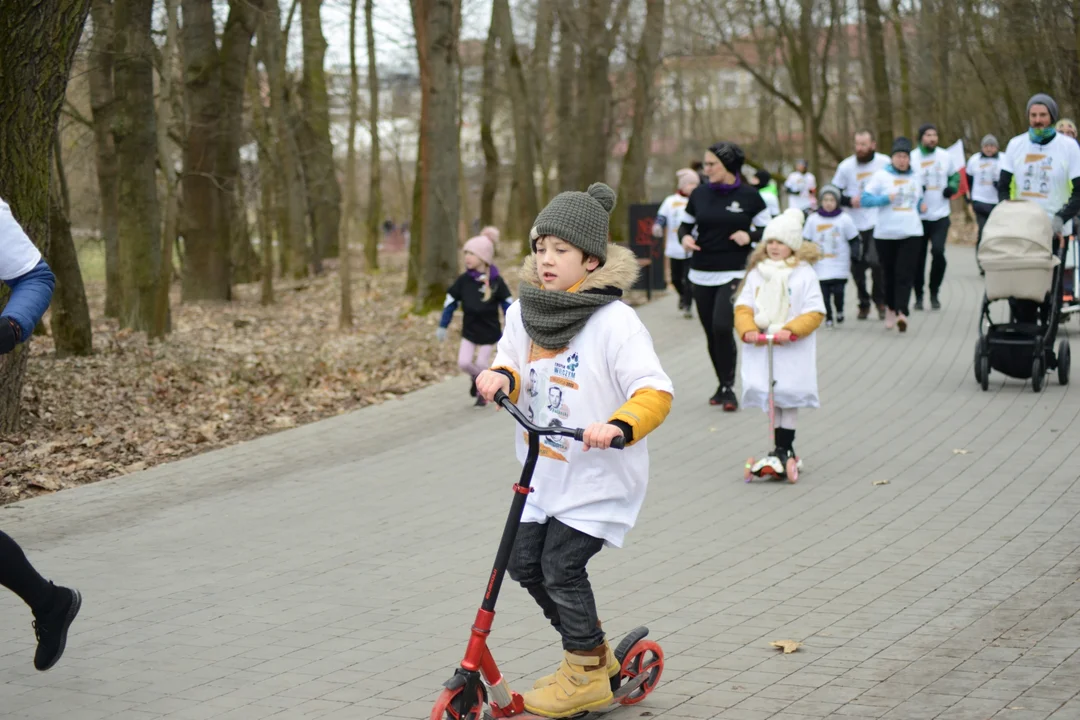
(579,218)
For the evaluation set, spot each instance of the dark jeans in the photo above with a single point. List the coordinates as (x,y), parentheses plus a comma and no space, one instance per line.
(868,260)
(898,264)
(935,233)
(833,292)
(982,212)
(20,577)
(716,310)
(549,561)
(679,271)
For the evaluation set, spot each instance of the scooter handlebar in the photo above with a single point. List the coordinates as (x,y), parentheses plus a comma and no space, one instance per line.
(617,443)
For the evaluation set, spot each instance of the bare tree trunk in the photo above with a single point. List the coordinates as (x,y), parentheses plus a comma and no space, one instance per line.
(569,135)
(290,184)
(632,178)
(70,316)
(487,137)
(324,193)
(524,146)
(374,211)
(261,128)
(437,24)
(595,93)
(540,101)
(905,69)
(135,134)
(102,108)
(345,318)
(162,320)
(875,39)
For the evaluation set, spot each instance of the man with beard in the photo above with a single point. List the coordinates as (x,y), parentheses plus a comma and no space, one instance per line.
(941,180)
(851,177)
(1045,167)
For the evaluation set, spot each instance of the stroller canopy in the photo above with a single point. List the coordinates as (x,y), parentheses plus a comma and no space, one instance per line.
(1017,251)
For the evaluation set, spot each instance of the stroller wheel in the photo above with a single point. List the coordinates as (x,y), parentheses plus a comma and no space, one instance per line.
(1038,373)
(978,361)
(984,372)
(1063,362)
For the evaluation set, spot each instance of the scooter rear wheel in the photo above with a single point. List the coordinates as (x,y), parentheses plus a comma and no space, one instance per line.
(645,658)
(748,475)
(792,470)
(453,705)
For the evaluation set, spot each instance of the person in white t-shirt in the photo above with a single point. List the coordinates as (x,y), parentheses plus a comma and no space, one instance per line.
(569,326)
(801,186)
(666,227)
(834,232)
(762,180)
(851,177)
(31,283)
(983,170)
(1042,166)
(941,180)
(898,193)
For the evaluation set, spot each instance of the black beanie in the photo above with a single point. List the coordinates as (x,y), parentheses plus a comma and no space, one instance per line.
(901,144)
(924,127)
(763,177)
(730,154)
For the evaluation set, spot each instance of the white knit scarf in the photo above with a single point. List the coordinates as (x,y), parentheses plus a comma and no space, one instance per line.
(772,302)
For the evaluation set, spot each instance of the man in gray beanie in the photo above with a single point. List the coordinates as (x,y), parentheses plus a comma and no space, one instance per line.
(983,170)
(1039,166)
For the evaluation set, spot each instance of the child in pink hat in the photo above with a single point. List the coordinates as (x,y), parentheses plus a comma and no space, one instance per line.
(480,291)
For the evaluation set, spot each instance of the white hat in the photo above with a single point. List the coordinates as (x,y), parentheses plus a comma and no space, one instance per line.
(786,228)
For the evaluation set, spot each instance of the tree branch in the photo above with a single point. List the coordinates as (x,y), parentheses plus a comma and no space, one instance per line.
(73,112)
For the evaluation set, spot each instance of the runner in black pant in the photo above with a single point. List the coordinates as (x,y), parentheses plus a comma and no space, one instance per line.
(31,283)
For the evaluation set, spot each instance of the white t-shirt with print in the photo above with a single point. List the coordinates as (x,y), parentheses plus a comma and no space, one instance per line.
(18,255)
(833,235)
(900,218)
(771,203)
(984,172)
(851,178)
(1041,173)
(801,187)
(599,492)
(672,212)
(934,170)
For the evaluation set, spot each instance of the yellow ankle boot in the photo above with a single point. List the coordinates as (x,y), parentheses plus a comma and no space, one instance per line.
(613,668)
(581,684)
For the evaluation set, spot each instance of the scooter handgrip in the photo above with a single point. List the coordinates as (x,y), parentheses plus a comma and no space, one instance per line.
(618,442)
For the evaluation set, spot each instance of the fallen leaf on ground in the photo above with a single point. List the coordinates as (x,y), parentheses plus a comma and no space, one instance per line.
(881,482)
(788,646)
(960,451)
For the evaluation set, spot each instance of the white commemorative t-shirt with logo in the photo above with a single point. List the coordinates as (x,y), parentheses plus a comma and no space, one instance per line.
(1041,173)
(18,255)
(599,492)
(801,187)
(934,170)
(833,235)
(851,178)
(900,218)
(984,172)
(671,210)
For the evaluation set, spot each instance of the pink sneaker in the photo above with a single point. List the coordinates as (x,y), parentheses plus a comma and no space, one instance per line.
(901,322)
(890,319)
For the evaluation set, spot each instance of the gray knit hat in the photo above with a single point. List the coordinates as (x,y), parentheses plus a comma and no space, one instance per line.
(830,190)
(1047,101)
(989,140)
(579,218)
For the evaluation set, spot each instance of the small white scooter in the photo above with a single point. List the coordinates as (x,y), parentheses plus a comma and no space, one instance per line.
(770,466)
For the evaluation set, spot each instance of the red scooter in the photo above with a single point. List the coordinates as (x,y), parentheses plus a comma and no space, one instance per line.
(478,681)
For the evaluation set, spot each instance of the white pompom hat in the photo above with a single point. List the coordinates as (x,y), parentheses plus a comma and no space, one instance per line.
(786,228)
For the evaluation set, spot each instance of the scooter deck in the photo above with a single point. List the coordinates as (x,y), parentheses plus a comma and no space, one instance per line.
(616,702)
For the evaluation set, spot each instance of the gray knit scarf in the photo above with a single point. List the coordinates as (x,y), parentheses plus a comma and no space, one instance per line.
(553,317)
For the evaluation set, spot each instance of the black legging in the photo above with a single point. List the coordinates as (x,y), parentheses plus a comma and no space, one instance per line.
(716,310)
(19,576)
(899,261)
(679,270)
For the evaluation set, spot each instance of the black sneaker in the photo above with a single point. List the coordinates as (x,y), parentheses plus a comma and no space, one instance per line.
(919,304)
(881,309)
(728,400)
(51,628)
(480,402)
(935,304)
(718,397)
(864,313)
(472,389)
(839,318)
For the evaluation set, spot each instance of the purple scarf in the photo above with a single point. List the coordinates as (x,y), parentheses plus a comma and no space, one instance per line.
(726,189)
(493,274)
(834,213)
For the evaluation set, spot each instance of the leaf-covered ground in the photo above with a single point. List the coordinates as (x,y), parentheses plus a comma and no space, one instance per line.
(227,373)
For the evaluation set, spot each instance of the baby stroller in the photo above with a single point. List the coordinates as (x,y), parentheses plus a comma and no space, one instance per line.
(1023,265)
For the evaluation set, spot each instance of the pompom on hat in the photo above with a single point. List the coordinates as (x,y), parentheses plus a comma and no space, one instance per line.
(579,218)
(787,227)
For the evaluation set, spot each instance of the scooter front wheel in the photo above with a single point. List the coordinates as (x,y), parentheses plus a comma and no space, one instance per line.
(644,660)
(453,705)
(792,470)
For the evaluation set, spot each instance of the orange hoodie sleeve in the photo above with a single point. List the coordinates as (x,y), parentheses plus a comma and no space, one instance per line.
(805,324)
(744,320)
(515,381)
(644,412)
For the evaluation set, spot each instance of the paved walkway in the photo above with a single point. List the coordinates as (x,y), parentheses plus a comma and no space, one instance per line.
(332,571)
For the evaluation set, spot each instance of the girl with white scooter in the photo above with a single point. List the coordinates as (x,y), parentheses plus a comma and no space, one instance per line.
(779,307)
